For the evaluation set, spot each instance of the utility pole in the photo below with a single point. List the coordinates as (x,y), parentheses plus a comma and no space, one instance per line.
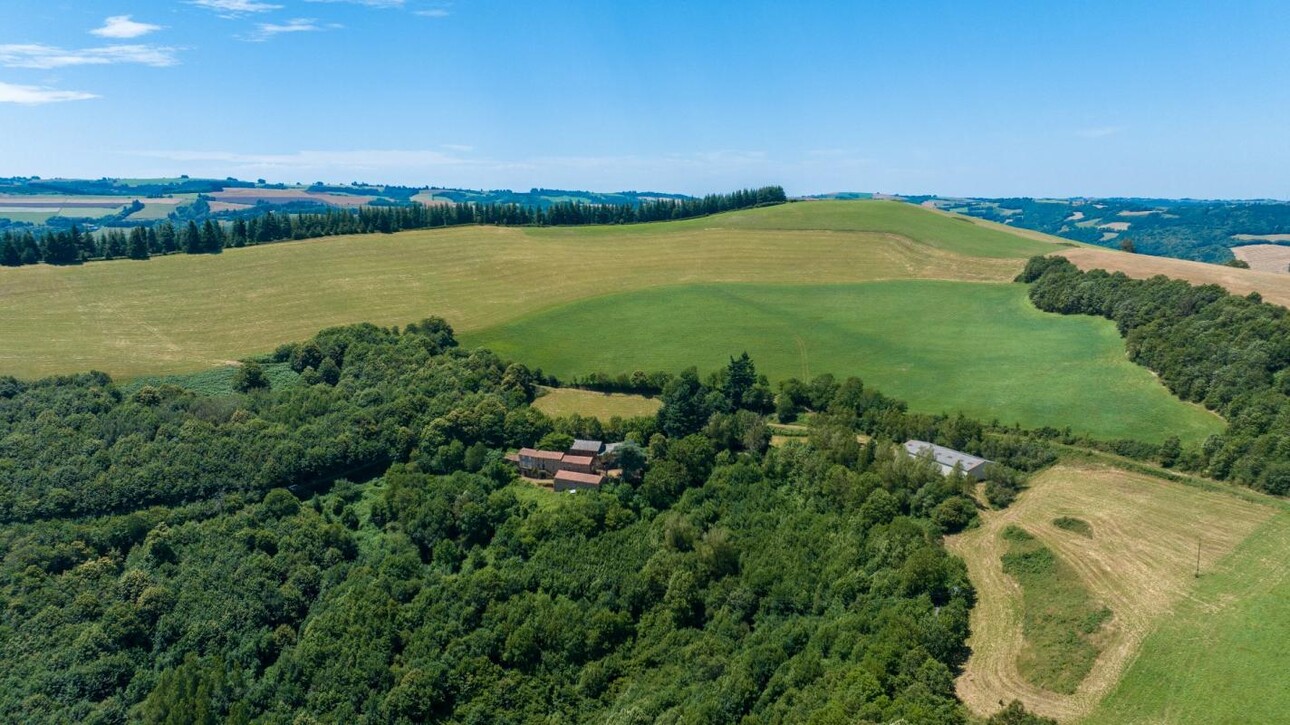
(1197,557)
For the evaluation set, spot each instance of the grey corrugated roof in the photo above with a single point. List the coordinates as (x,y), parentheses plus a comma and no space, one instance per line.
(589,446)
(946,457)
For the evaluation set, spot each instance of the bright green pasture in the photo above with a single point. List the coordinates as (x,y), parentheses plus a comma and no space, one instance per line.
(979,348)
(1224,654)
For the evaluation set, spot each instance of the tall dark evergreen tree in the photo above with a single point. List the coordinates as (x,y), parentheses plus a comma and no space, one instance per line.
(192,238)
(138,248)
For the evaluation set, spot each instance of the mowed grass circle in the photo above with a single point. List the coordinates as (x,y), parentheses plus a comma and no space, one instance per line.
(942,346)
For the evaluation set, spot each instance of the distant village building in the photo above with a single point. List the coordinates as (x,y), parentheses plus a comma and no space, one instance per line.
(574,481)
(947,458)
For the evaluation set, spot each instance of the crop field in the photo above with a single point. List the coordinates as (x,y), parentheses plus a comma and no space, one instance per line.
(183,313)
(558,402)
(1265,257)
(1174,646)
(1273,286)
(941,346)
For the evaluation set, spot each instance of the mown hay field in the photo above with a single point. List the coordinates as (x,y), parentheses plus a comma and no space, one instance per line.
(1176,648)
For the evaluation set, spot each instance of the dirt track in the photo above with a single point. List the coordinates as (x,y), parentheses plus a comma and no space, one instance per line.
(1140,562)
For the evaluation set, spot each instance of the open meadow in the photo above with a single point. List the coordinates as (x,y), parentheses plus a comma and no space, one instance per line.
(1172,641)
(941,346)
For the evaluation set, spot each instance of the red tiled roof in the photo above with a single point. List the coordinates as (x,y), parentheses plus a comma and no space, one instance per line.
(545,455)
(577,460)
(594,479)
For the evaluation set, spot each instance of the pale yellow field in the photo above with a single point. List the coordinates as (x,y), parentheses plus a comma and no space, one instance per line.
(569,401)
(1265,257)
(1273,287)
(1140,562)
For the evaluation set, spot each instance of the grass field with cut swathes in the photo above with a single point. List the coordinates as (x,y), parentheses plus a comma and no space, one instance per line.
(941,346)
(1177,649)
(1223,655)
(182,313)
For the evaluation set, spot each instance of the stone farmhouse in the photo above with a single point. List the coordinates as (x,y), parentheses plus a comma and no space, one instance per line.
(581,468)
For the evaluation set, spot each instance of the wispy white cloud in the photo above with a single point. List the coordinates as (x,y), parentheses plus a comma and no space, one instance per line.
(265,31)
(36,95)
(432,13)
(235,8)
(121,26)
(460,166)
(368,3)
(312,160)
(1099,131)
(48,56)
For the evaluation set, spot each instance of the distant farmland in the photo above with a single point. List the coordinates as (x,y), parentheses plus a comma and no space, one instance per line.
(251,196)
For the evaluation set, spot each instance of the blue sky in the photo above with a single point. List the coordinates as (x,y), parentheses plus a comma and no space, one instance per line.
(956,98)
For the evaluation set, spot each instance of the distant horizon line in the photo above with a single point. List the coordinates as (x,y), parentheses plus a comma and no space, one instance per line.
(815,196)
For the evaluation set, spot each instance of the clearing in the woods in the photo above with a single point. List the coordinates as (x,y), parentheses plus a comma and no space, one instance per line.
(558,402)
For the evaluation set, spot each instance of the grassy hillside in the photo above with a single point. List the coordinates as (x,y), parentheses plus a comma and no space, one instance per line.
(1139,562)
(184,313)
(941,346)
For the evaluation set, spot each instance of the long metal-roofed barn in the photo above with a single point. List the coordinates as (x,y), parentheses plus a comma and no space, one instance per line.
(947,458)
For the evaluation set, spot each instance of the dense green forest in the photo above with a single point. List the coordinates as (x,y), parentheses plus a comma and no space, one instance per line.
(1229,353)
(262,225)
(1182,228)
(177,557)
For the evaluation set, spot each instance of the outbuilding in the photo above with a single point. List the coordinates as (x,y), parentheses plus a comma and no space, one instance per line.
(947,459)
(574,481)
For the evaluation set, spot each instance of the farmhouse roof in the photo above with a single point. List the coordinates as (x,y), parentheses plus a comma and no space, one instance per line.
(946,457)
(544,455)
(581,446)
(594,479)
(611,447)
(578,460)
